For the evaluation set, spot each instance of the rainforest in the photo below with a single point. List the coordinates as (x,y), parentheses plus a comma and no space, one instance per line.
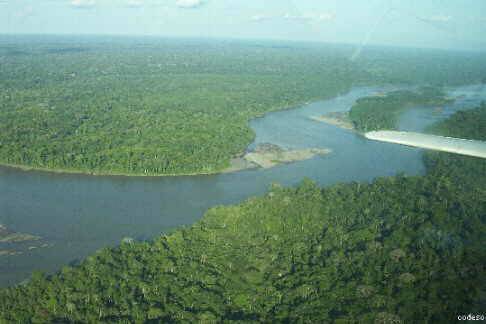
(399,249)
(122,201)
(174,107)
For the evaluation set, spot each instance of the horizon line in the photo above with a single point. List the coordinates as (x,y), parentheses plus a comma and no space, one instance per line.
(242,39)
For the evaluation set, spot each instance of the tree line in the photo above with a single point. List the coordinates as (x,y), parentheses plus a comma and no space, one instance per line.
(397,250)
(164,107)
(381,112)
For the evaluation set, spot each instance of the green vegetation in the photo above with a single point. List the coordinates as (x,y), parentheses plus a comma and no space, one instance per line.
(170,107)
(401,249)
(163,107)
(387,65)
(382,112)
(469,124)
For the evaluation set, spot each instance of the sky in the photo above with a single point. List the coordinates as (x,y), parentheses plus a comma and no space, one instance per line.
(448,24)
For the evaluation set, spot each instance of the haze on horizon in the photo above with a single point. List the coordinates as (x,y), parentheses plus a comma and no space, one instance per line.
(447,24)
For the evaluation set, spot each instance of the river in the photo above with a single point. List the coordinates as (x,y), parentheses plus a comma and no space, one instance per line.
(78,214)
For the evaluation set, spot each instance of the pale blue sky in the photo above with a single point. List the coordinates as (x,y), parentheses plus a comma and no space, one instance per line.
(457,24)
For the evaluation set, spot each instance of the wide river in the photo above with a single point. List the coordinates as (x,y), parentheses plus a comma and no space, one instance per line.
(76,215)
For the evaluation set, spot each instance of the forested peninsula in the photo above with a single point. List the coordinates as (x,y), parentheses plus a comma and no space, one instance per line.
(160,109)
(173,107)
(397,250)
(381,112)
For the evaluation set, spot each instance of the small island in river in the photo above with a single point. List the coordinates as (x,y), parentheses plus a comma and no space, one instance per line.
(268,155)
(7,236)
(382,111)
(339,119)
(10,238)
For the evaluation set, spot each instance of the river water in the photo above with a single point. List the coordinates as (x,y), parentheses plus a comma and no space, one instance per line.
(76,214)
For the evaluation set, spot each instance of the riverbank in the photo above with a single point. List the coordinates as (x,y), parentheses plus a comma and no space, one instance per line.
(101,174)
(338,119)
(235,164)
(278,223)
(68,209)
(252,160)
(376,113)
(268,155)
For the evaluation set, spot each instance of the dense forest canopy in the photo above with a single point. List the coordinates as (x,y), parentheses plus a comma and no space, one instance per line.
(383,111)
(152,106)
(459,125)
(168,108)
(421,66)
(465,172)
(397,250)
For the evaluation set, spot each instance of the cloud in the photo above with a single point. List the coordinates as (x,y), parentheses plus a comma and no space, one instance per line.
(189,4)
(259,18)
(83,4)
(325,16)
(439,18)
(294,17)
(134,3)
(312,17)
(24,13)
